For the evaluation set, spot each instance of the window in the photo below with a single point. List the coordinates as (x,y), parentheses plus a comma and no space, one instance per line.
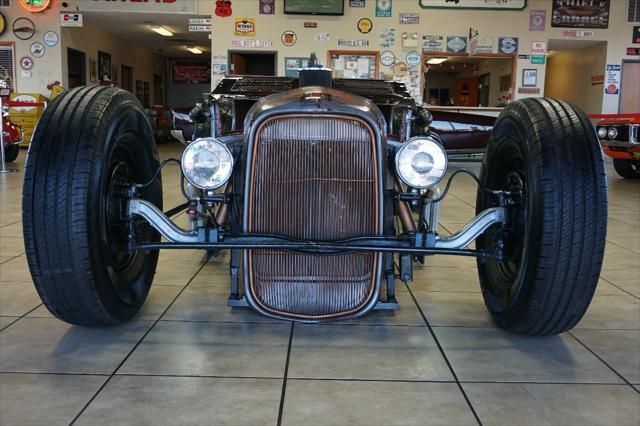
(7,71)
(5,3)
(634,11)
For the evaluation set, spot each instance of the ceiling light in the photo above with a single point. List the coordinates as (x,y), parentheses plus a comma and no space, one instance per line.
(436,61)
(195,50)
(161,30)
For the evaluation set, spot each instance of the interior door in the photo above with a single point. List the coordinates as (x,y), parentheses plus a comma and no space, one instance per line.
(629,99)
(126,75)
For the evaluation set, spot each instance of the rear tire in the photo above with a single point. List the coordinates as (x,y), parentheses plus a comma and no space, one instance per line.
(11,153)
(89,145)
(553,242)
(628,169)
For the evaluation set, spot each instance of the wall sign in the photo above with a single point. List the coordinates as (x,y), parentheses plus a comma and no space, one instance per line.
(353,43)
(634,39)
(413,59)
(365,25)
(432,43)
(456,44)
(580,14)
(37,49)
(289,38)
(387,38)
(597,80)
(158,6)
(250,42)
(3,24)
(322,37)
(34,6)
(245,27)
(26,63)
(578,33)
(311,24)
(633,51)
(189,72)
(537,20)
(409,18)
(356,3)
(267,7)
(529,90)
(538,52)
(50,38)
(508,45)
(474,4)
(223,8)
(612,80)
(23,28)
(70,19)
(383,8)
(387,58)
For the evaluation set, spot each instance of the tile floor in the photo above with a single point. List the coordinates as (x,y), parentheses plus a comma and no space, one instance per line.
(189,359)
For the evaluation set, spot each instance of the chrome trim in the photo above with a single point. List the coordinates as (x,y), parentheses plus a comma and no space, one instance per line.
(160,222)
(621,144)
(179,135)
(473,229)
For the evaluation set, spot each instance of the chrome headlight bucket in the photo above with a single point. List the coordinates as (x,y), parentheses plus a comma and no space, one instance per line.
(602,132)
(612,133)
(207,163)
(421,162)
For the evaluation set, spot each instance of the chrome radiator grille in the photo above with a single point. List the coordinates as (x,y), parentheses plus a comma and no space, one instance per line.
(313,178)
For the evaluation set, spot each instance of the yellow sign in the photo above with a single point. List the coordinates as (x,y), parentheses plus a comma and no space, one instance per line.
(365,25)
(245,27)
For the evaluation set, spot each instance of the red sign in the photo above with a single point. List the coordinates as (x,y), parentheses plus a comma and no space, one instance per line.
(633,51)
(184,72)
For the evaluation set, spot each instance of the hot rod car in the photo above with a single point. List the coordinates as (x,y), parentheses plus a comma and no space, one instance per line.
(324,190)
(620,140)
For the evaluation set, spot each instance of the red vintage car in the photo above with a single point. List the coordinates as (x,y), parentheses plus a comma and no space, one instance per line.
(12,137)
(620,138)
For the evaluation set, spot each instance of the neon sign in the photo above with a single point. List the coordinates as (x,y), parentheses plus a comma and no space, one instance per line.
(34,6)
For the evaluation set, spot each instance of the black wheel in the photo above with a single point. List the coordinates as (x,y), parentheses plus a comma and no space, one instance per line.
(629,169)
(11,153)
(89,146)
(546,152)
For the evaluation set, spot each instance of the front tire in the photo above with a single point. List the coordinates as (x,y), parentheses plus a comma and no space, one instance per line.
(628,169)
(89,146)
(11,153)
(553,243)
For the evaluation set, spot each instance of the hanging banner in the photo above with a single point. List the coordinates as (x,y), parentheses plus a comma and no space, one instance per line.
(474,4)
(185,72)
(582,14)
(612,80)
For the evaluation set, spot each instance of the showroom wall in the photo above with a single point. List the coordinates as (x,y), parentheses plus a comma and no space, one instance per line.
(570,73)
(90,39)
(46,69)
(432,22)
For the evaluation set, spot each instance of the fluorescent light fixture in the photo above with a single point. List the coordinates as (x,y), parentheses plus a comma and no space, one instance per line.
(195,50)
(436,61)
(161,30)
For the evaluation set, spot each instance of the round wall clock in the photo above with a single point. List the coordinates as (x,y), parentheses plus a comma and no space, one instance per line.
(50,38)
(3,24)
(34,6)
(23,28)
(37,49)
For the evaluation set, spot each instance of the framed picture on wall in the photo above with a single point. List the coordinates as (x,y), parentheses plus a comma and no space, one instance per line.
(93,70)
(505,82)
(104,65)
(529,78)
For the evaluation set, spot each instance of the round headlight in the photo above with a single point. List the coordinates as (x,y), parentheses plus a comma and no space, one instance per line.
(207,163)
(602,132)
(421,162)
(612,133)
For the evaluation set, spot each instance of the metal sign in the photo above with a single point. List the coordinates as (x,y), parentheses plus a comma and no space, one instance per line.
(245,27)
(432,43)
(200,28)
(70,19)
(37,49)
(582,14)
(199,21)
(50,38)
(409,18)
(474,4)
(508,45)
(456,44)
(26,63)
(387,58)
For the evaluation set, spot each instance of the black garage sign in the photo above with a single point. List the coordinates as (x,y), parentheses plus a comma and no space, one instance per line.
(636,35)
(580,14)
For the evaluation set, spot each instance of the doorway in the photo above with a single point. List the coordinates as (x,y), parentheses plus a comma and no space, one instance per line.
(126,77)
(484,89)
(629,99)
(76,68)
(158,92)
(252,63)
